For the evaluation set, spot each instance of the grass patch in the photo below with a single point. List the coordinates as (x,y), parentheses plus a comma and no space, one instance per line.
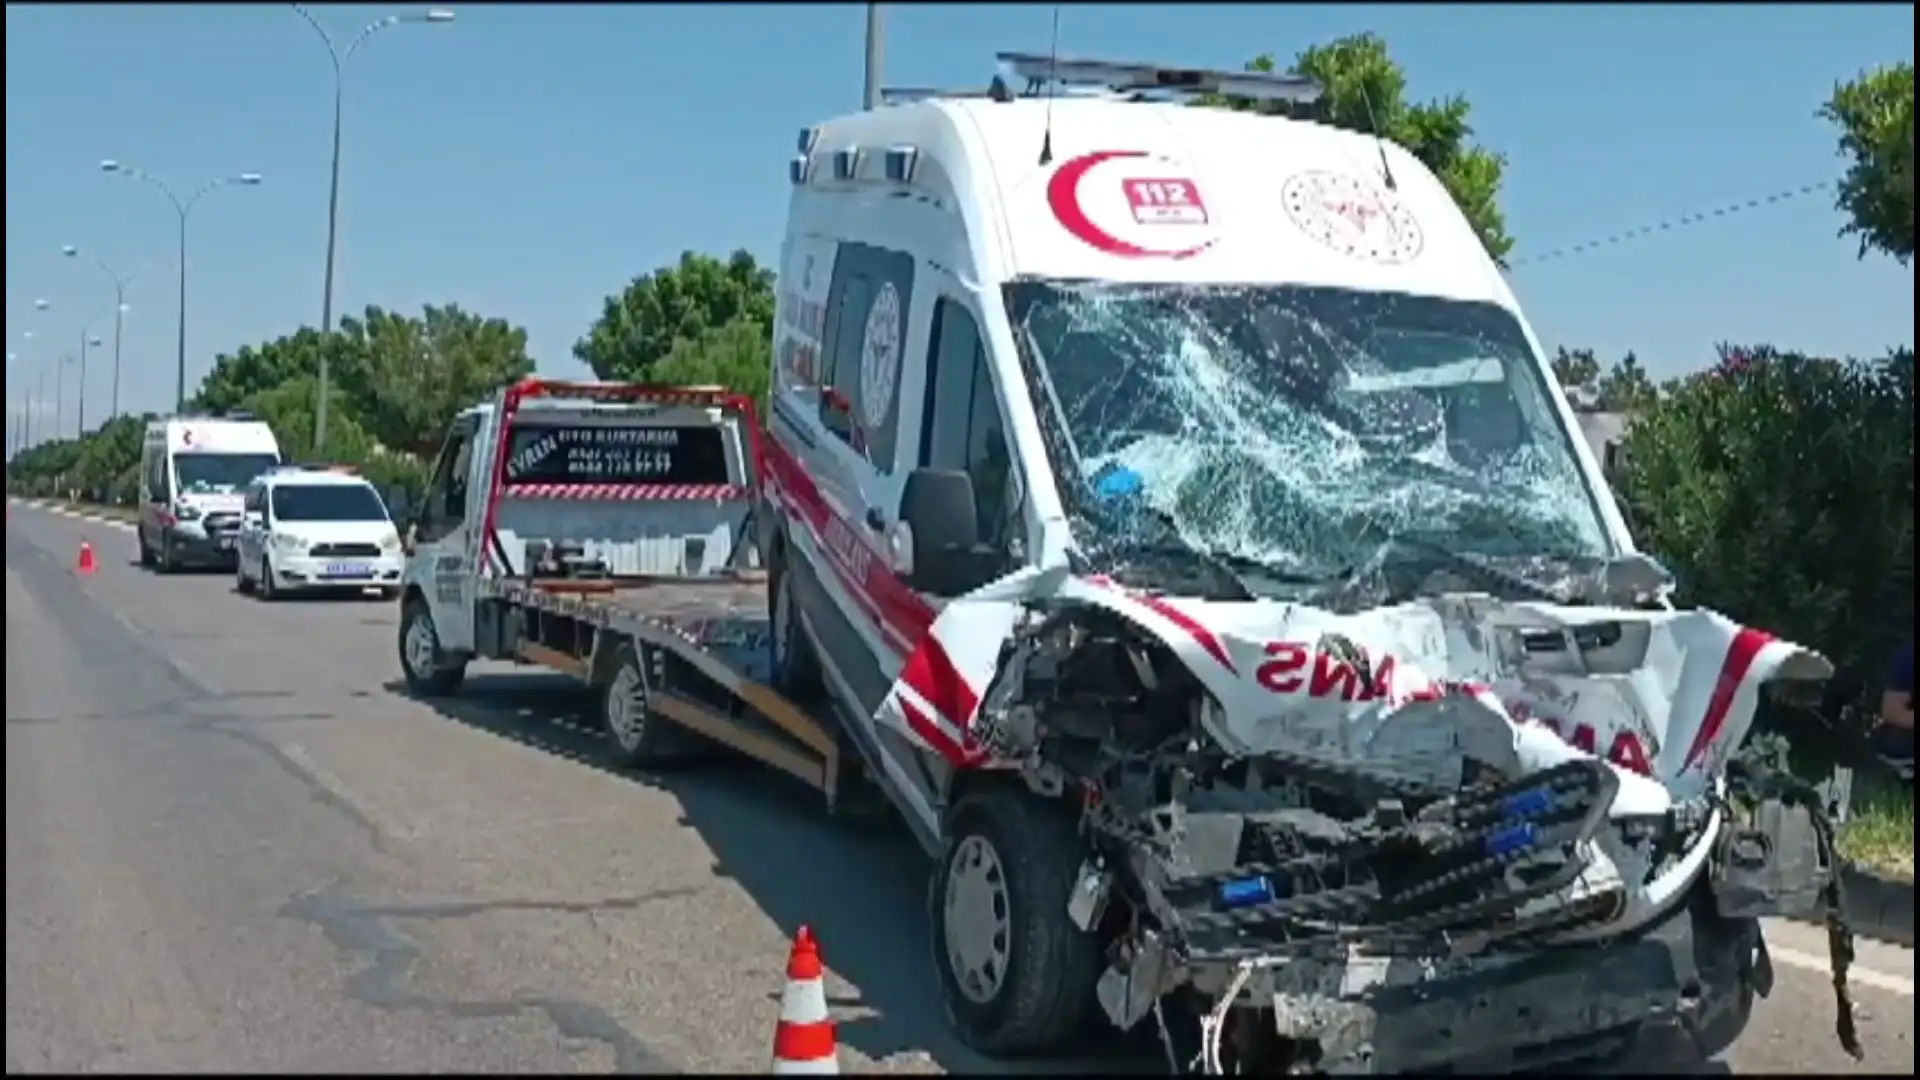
(1879,829)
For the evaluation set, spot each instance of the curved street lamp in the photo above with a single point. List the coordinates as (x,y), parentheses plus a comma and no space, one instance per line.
(184,207)
(121,282)
(340,54)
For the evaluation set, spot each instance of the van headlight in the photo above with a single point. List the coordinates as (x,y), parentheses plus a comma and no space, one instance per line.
(289,542)
(390,543)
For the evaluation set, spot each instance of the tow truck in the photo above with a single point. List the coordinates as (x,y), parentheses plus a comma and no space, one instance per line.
(605,531)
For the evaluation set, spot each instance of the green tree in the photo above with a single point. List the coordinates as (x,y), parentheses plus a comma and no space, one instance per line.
(1874,114)
(106,454)
(420,372)
(251,369)
(1576,369)
(1366,91)
(1626,387)
(1779,487)
(738,356)
(639,326)
(289,410)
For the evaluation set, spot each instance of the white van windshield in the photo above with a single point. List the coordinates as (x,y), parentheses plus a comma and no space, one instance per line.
(1300,427)
(219,474)
(327,502)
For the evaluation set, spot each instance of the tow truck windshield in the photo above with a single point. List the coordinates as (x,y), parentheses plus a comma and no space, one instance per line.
(219,474)
(1300,427)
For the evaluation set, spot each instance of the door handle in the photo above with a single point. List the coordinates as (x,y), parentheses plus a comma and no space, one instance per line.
(875,520)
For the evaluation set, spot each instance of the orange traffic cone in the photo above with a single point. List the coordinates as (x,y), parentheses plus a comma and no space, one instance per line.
(86,565)
(803,1042)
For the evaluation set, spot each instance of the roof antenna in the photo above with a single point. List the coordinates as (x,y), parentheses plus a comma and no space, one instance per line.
(1053,84)
(1379,141)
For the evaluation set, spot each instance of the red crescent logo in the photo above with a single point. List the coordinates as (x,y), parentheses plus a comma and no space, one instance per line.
(1063,196)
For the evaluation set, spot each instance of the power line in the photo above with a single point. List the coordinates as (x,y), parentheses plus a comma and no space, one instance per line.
(1680,222)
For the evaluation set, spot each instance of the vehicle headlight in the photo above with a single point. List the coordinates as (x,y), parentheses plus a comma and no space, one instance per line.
(186,512)
(390,543)
(289,542)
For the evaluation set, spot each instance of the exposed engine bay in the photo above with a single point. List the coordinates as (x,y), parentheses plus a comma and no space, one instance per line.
(1285,897)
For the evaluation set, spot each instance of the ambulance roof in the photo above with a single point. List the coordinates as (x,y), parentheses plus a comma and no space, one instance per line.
(1167,192)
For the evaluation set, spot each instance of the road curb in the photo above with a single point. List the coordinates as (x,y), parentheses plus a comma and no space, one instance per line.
(1879,905)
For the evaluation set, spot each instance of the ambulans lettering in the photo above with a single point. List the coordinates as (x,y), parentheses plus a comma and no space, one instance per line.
(1294,667)
(1624,749)
(847,549)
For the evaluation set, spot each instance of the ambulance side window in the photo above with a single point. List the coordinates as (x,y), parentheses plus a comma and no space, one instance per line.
(861,348)
(157,487)
(964,429)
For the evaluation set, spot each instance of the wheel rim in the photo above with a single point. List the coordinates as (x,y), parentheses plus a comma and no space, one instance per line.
(423,648)
(978,930)
(627,707)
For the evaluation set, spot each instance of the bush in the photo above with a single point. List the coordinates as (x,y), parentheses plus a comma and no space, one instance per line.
(1779,488)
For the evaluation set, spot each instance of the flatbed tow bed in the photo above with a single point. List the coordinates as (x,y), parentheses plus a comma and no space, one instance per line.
(718,628)
(698,645)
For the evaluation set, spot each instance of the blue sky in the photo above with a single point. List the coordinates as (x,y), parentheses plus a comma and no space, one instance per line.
(524,161)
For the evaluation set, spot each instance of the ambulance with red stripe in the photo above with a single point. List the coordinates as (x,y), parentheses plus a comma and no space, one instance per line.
(1169,512)
(1174,511)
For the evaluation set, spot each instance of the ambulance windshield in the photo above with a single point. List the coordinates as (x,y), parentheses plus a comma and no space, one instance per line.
(1298,427)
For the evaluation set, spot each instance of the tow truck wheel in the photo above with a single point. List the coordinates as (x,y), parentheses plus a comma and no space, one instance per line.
(796,672)
(426,668)
(1016,975)
(637,737)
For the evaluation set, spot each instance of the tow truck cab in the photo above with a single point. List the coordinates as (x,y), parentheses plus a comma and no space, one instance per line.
(613,488)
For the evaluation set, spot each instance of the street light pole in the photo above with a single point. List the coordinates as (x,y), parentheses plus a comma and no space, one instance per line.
(340,55)
(183,207)
(60,396)
(121,283)
(876,53)
(81,391)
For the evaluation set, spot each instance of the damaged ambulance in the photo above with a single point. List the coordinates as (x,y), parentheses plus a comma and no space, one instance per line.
(1181,520)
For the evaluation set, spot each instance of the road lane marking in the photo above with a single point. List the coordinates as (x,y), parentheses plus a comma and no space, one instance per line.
(1859,976)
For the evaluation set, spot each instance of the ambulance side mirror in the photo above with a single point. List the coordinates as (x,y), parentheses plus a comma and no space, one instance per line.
(942,533)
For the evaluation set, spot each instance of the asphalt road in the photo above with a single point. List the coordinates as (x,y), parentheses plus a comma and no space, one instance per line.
(233,845)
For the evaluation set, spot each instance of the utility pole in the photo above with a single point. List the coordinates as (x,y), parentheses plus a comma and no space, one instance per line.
(876,53)
(340,54)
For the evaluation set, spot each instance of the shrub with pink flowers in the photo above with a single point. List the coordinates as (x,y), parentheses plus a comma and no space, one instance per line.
(1779,488)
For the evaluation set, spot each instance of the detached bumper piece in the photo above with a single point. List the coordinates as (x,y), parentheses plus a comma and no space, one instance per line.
(1266,883)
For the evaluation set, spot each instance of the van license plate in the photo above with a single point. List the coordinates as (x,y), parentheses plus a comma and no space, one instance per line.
(345,570)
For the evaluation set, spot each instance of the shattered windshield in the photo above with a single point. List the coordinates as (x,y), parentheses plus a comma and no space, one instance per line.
(219,474)
(1299,428)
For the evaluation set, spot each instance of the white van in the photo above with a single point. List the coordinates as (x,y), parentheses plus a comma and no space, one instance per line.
(308,528)
(194,472)
(1139,472)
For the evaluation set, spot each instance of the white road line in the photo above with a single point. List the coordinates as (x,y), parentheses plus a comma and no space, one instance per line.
(1859,976)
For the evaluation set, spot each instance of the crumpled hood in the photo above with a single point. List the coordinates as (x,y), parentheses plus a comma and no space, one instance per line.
(1663,696)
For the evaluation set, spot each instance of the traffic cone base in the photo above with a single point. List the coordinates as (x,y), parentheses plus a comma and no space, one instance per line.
(804,1042)
(86,565)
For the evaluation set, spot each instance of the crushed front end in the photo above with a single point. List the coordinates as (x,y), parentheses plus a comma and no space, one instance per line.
(1317,913)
